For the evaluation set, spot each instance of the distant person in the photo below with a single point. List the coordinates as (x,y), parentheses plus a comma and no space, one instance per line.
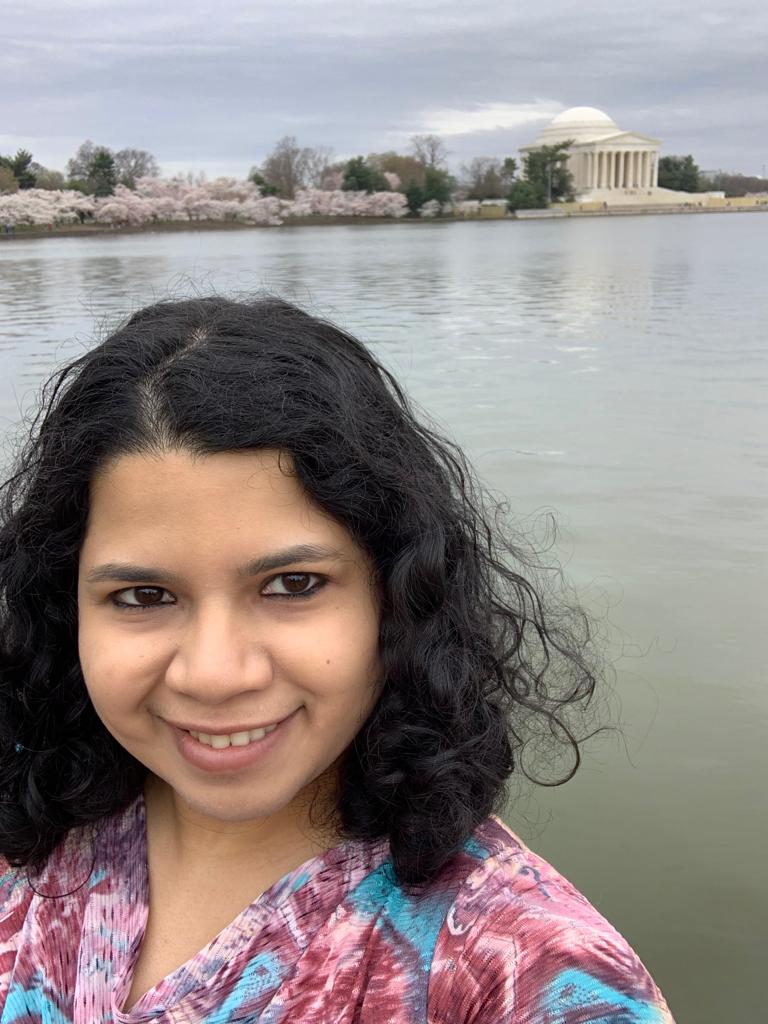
(266,664)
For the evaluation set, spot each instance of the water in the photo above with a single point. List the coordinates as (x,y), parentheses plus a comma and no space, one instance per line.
(612,371)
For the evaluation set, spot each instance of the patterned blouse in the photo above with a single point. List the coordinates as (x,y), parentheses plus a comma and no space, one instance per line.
(499,937)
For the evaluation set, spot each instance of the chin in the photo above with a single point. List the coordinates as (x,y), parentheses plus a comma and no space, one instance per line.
(233,809)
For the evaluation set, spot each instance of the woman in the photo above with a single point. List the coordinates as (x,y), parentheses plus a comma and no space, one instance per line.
(265,668)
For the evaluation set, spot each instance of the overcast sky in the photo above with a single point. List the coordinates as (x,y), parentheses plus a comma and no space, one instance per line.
(212,87)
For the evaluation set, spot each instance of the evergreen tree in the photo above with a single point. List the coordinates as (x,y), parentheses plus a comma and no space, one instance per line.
(20,165)
(526,195)
(437,184)
(360,176)
(679,173)
(102,173)
(267,188)
(415,196)
(547,170)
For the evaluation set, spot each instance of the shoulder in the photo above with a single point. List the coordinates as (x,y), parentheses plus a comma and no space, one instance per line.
(15,897)
(14,889)
(520,943)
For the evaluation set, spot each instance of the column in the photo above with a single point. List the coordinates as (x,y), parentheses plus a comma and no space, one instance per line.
(612,169)
(655,178)
(646,177)
(622,167)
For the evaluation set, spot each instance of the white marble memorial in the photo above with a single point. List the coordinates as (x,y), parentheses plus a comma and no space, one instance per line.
(607,163)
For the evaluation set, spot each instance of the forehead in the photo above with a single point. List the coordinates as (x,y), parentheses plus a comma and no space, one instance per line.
(228,498)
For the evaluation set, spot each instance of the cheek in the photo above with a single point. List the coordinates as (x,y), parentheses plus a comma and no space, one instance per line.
(116,670)
(338,658)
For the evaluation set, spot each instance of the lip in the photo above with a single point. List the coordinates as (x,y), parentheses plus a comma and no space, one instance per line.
(228,730)
(231,759)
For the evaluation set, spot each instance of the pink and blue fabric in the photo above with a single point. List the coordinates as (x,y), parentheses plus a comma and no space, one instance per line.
(498,938)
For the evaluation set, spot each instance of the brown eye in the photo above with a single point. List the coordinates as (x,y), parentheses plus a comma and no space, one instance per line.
(140,597)
(294,584)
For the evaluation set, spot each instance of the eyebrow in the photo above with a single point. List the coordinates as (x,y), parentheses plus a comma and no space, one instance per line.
(129,573)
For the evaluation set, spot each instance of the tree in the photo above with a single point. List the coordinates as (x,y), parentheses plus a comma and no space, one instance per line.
(415,196)
(430,150)
(408,168)
(546,168)
(438,184)
(261,181)
(102,174)
(8,182)
(487,177)
(78,165)
(51,181)
(526,195)
(735,184)
(131,164)
(21,167)
(78,185)
(509,168)
(359,176)
(333,178)
(437,187)
(290,167)
(317,162)
(679,173)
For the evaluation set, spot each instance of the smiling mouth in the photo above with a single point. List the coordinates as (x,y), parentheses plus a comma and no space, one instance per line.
(235,739)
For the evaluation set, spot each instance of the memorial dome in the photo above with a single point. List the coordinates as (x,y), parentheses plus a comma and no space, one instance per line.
(579,124)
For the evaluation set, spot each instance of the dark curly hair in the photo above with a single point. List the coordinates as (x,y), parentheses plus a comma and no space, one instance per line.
(478,668)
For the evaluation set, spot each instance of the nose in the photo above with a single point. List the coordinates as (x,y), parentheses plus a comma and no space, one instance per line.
(219,655)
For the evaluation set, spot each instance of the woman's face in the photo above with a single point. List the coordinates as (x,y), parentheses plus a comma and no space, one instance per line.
(186,623)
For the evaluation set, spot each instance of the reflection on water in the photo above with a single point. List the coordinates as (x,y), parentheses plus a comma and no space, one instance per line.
(614,371)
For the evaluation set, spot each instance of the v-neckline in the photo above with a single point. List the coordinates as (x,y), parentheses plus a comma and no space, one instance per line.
(269,916)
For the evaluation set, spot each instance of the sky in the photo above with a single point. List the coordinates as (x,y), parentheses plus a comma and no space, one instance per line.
(212,87)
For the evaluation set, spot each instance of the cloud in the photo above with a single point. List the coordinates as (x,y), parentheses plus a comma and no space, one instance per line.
(489,117)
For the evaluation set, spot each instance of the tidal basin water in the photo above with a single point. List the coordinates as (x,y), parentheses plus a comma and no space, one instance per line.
(612,373)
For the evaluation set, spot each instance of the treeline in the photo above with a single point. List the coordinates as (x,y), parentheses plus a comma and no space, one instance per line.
(421,174)
(683,174)
(93,170)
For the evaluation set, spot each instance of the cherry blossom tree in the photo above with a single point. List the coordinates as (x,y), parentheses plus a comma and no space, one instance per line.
(178,199)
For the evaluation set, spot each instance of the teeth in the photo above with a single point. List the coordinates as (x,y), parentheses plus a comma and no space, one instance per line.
(235,739)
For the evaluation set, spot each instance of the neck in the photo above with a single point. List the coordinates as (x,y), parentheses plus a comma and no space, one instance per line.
(196,842)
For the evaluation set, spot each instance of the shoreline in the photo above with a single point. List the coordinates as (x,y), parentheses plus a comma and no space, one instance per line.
(162,227)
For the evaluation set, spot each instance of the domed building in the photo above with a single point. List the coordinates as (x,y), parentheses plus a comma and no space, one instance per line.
(606,163)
